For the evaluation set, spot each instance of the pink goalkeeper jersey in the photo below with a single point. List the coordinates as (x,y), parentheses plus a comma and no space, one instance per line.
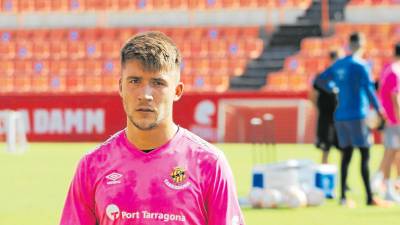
(390,83)
(185,181)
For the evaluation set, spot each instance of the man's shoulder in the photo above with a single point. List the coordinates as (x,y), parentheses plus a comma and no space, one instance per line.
(199,145)
(105,147)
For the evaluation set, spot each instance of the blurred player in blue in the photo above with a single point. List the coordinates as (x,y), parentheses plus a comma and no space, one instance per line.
(350,79)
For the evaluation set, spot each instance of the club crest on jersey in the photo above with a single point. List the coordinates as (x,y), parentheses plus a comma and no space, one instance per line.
(177,179)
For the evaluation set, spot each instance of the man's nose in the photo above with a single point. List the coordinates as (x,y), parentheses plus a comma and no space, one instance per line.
(146,93)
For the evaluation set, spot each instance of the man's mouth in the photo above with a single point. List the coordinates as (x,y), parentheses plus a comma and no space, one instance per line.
(145,110)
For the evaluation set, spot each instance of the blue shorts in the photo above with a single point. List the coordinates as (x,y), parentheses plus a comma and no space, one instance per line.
(354,133)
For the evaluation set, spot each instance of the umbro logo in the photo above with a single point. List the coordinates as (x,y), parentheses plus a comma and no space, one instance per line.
(114,178)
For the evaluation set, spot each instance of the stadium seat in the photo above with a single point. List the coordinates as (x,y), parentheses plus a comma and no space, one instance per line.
(93,83)
(43,5)
(40,83)
(76,68)
(7,84)
(277,81)
(22,83)
(254,47)
(220,66)
(217,48)
(59,50)
(7,50)
(76,49)
(9,6)
(41,50)
(57,83)
(6,68)
(26,6)
(93,67)
(59,67)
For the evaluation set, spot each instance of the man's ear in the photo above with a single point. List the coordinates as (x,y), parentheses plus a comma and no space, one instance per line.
(178,91)
(120,86)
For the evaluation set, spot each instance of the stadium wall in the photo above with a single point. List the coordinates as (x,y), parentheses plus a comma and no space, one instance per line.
(157,18)
(381,14)
(217,117)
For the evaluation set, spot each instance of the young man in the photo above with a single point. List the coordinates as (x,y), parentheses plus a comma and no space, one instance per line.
(390,97)
(326,103)
(152,172)
(350,78)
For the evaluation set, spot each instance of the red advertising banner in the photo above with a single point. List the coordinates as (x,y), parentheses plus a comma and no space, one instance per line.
(213,116)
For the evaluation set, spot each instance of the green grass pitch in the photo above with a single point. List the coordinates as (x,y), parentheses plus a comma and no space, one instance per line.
(33,186)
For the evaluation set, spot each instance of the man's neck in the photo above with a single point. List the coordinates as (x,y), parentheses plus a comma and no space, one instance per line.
(151,139)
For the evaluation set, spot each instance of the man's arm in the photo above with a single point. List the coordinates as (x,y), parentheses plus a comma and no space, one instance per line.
(396,96)
(222,204)
(79,205)
(325,81)
(368,84)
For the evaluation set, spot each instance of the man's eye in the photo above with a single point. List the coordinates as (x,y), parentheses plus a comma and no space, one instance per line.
(158,83)
(134,81)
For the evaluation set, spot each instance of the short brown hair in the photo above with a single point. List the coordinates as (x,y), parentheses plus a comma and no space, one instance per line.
(155,50)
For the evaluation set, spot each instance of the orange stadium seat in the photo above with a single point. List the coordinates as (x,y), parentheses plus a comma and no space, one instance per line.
(199,48)
(277,81)
(237,66)
(254,48)
(22,83)
(76,49)
(41,50)
(201,65)
(96,5)
(217,48)
(7,50)
(237,48)
(59,5)
(24,50)
(76,68)
(93,67)
(40,83)
(7,84)
(59,67)
(57,83)
(220,66)
(6,68)
(110,83)
(93,49)
(41,67)
(93,83)
(187,80)
(76,5)
(26,6)
(59,50)
(23,67)
(298,82)
(74,83)
(43,5)
(9,6)
(110,49)
(219,82)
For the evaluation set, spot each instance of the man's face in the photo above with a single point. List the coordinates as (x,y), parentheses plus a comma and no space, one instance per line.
(148,96)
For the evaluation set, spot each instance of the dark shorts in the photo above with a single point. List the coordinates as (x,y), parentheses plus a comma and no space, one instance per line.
(326,134)
(354,133)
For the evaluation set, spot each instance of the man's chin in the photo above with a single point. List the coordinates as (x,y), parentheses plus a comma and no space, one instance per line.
(145,126)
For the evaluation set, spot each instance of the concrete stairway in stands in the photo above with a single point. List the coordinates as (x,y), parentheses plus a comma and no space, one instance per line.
(285,41)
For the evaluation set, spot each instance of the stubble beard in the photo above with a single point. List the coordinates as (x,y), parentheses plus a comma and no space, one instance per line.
(145,127)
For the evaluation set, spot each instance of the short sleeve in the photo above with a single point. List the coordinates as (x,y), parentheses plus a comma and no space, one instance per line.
(79,204)
(221,201)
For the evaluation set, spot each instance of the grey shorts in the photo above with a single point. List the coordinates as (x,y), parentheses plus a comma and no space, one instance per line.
(354,133)
(391,137)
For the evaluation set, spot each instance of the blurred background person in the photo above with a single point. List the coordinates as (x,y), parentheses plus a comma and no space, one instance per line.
(350,78)
(326,102)
(389,94)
